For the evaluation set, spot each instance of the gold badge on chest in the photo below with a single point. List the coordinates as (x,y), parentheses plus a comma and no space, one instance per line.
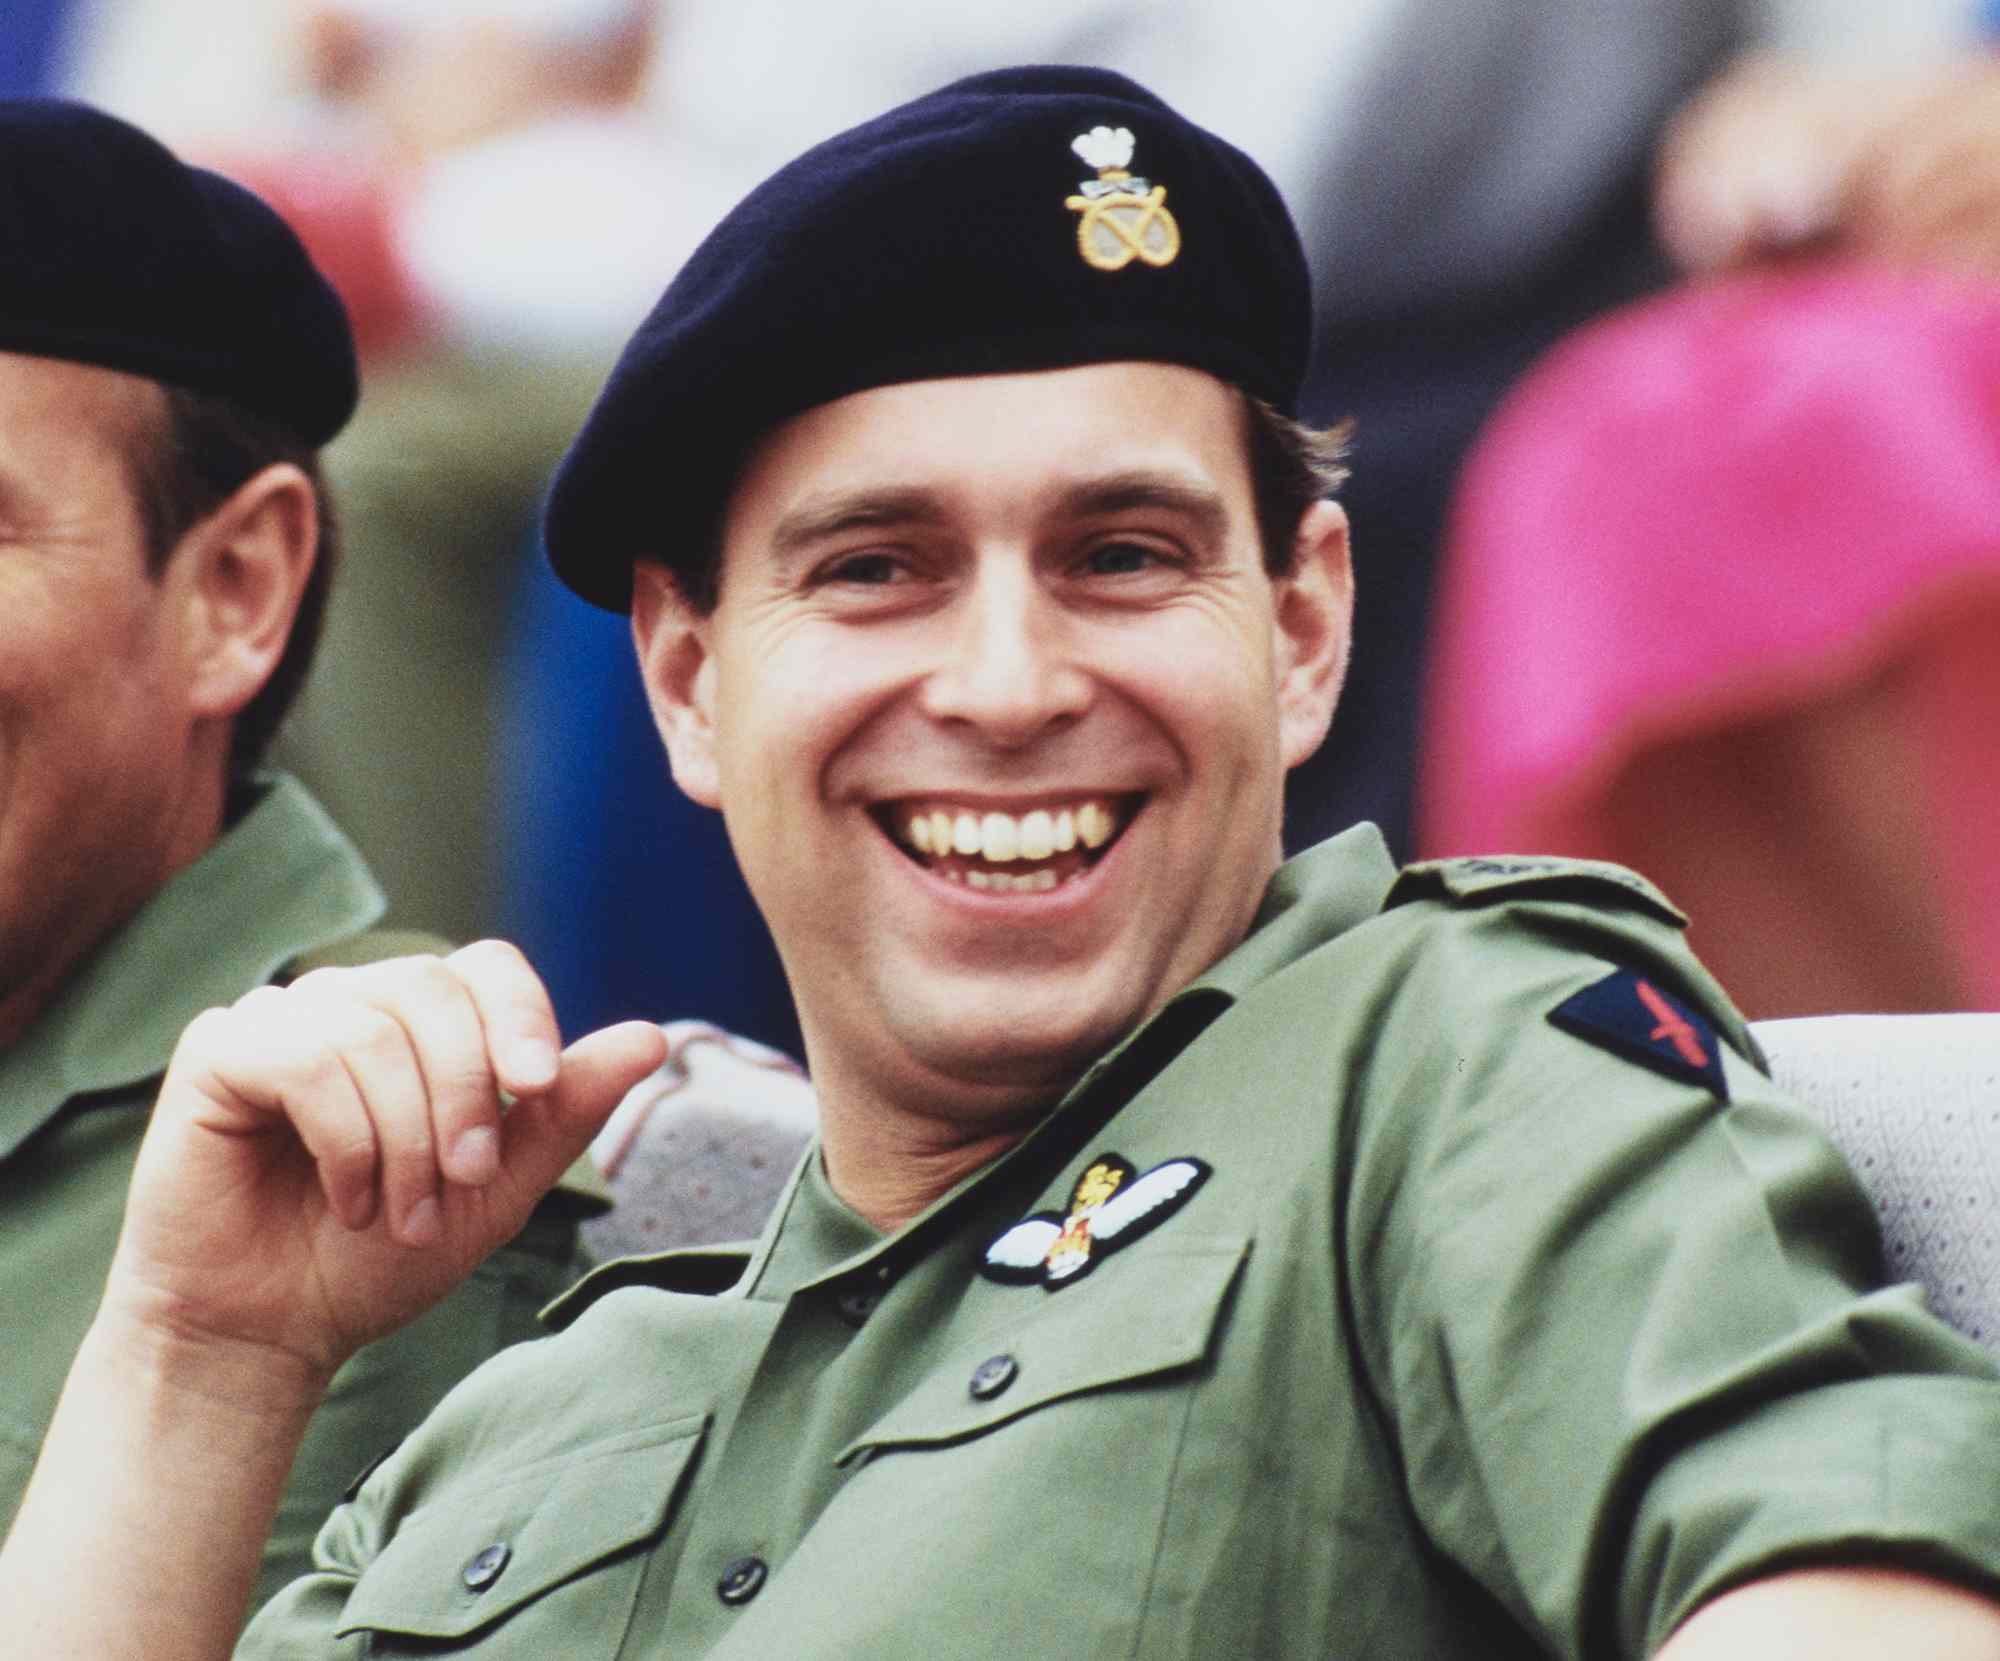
(1110,1207)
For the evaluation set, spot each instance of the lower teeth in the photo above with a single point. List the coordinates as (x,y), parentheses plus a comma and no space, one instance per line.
(1006,882)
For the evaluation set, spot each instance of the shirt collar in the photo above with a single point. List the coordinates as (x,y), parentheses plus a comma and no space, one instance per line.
(280,882)
(1312,898)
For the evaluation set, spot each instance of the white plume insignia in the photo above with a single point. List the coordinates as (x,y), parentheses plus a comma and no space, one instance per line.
(1105,147)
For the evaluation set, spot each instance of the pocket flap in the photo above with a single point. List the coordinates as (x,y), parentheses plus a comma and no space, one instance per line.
(1154,1315)
(469,1558)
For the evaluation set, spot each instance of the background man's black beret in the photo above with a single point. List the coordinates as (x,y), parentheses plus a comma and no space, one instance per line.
(957,235)
(116,253)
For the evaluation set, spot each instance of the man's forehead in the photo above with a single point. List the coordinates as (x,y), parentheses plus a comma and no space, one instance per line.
(1041,437)
(46,400)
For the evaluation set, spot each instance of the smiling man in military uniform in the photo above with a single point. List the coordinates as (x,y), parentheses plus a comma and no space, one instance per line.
(170,363)
(1202,1254)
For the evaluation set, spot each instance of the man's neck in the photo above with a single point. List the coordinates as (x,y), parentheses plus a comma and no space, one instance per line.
(53,952)
(898,1131)
(889,1176)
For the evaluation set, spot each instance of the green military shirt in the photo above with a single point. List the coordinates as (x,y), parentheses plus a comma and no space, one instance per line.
(281,885)
(1454,1313)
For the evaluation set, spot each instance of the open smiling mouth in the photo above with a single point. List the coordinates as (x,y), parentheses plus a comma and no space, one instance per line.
(1008,853)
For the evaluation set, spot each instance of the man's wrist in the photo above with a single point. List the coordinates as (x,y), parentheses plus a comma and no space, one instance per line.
(167,1360)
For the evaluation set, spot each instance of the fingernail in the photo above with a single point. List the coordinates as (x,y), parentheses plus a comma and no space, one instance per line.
(424,1224)
(475,1156)
(534,1062)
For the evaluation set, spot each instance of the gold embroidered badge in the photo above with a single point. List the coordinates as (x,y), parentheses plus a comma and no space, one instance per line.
(1111,1206)
(1124,216)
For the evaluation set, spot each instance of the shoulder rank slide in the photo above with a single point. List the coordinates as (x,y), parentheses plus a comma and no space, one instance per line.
(1632,1017)
(1109,1208)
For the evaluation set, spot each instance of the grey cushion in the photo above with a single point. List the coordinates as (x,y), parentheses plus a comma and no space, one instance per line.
(698,1151)
(1913,1101)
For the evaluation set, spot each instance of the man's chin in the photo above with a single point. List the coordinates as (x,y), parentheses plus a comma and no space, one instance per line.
(1027,1055)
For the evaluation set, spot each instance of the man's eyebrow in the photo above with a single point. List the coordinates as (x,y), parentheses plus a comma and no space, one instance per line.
(836,513)
(1123,492)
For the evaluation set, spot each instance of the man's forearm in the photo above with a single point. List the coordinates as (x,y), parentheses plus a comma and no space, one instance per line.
(140,1534)
(1833,1614)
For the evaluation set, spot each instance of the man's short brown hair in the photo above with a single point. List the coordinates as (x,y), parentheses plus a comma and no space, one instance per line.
(1292,466)
(194,459)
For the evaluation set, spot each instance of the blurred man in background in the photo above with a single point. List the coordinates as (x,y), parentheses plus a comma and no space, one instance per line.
(170,364)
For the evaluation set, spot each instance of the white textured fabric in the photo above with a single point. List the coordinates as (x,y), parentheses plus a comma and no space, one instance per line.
(698,1151)
(1913,1101)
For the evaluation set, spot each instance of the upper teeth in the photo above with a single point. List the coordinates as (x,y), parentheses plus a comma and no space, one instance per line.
(1000,837)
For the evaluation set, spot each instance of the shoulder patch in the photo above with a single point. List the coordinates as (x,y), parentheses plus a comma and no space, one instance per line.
(1633,1017)
(1496,876)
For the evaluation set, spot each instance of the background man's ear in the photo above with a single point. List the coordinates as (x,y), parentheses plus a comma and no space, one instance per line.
(679,675)
(1314,619)
(237,576)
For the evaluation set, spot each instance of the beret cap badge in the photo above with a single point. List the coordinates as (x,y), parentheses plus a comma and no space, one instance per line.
(1124,217)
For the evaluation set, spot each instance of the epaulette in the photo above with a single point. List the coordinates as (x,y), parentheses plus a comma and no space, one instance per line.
(703,1271)
(1595,882)
(1483,879)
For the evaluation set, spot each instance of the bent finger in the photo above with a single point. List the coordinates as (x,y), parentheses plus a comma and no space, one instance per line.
(258,1068)
(522,1038)
(376,1050)
(435,1008)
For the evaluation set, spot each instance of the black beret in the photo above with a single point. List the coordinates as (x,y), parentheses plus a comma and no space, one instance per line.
(121,255)
(1032,218)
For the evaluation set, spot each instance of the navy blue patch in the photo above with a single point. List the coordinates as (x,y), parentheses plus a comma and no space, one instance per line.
(1634,1018)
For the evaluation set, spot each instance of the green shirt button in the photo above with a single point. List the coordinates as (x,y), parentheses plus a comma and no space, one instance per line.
(742,1580)
(992,1376)
(856,1306)
(485,1567)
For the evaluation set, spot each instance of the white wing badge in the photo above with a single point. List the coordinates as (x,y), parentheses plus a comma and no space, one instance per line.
(1110,1207)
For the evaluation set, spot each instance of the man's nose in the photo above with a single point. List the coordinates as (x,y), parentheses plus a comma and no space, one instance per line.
(1010,666)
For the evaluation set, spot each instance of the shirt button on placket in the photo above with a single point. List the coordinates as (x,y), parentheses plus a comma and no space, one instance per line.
(742,1580)
(857,1305)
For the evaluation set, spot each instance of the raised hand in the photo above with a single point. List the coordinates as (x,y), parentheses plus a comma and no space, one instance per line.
(1761,161)
(324,1162)
(1778,155)
(328,1159)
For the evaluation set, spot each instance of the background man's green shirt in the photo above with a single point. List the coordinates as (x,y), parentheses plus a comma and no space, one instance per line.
(280,886)
(1477,1340)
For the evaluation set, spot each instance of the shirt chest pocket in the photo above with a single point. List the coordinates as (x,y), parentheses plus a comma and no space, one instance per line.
(543,1560)
(1033,1465)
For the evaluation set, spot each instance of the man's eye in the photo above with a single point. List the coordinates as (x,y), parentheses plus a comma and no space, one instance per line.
(867,570)
(1121,559)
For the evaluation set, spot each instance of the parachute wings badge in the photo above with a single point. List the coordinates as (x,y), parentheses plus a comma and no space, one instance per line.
(1124,217)
(1109,1208)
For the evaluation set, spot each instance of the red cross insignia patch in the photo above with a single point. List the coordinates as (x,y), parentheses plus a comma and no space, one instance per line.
(1638,1019)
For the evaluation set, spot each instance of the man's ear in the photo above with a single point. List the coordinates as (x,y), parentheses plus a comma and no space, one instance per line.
(238,575)
(1313,619)
(672,639)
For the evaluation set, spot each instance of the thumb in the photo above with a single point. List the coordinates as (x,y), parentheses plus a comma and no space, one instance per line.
(543,1134)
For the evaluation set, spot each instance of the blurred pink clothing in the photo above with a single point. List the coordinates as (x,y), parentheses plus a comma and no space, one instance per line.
(1715,513)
